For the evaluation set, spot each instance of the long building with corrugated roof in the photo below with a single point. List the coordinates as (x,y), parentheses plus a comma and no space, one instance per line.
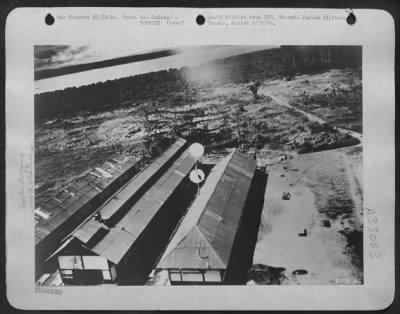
(123,239)
(57,217)
(200,252)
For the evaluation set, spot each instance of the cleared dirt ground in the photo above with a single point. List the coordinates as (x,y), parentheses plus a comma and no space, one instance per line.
(334,95)
(65,148)
(326,200)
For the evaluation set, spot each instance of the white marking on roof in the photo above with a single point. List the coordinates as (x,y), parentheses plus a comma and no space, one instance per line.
(213,215)
(104,173)
(41,213)
(180,173)
(116,160)
(110,164)
(95,174)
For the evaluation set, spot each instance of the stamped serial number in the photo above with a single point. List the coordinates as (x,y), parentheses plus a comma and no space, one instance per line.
(372,222)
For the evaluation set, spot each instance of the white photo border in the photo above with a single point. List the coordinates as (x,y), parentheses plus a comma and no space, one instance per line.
(374,31)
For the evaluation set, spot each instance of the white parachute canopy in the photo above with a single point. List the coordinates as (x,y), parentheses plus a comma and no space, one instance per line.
(196,150)
(197,176)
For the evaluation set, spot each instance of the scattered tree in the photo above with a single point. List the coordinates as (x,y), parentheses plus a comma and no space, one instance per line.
(254,87)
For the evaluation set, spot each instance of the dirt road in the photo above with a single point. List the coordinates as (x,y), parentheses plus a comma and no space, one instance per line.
(284,102)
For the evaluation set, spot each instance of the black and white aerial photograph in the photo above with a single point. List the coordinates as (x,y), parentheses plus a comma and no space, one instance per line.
(198,165)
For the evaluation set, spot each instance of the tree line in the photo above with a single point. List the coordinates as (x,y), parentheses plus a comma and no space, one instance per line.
(170,87)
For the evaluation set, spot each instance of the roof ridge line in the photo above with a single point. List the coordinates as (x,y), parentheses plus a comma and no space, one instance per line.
(217,183)
(205,207)
(210,245)
(219,180)
(195,226)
